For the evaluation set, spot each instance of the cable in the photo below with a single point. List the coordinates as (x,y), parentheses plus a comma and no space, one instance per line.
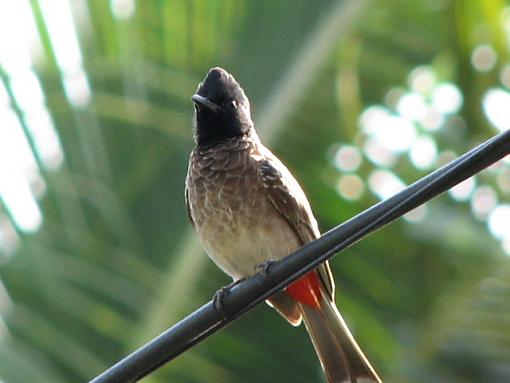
(244,296)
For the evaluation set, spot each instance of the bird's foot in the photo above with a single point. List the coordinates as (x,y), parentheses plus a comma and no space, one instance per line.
(222,292)
(264,267)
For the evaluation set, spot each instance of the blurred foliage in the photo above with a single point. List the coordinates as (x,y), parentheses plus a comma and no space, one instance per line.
(115,260)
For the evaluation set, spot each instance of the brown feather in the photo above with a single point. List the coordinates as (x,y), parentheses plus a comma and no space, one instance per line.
(290,201)
(188,209)
(287,307)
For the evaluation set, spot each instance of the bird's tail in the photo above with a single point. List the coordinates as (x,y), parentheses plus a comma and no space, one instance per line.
(341,358)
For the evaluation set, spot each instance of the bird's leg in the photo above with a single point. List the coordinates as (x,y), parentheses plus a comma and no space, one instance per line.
(222,292)
(264,267)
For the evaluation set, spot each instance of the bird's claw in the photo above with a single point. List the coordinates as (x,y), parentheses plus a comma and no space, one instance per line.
(218,297)
(264,267)
(222,292)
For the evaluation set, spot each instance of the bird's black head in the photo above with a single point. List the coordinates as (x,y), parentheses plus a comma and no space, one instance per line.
(222,110)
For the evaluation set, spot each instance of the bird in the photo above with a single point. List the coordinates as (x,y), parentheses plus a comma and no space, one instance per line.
(248,209)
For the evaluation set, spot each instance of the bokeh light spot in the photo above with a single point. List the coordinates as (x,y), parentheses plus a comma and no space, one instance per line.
(412,106)
(384,183)
(77,88)
(351,187)
(496,105)
(422,79)
(432,120)
(348,158)
(378,154)
(447,98)
(484,199)
(395,133)
(122,9)
(445,157)
(372,118)
(423,153)
(499,220)
(463,191)
(505,244)
(393,96)
(504,76)
(484,58)
(503,180)
(417,215)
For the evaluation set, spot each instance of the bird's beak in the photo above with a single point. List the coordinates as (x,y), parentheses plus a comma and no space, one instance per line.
(202,101)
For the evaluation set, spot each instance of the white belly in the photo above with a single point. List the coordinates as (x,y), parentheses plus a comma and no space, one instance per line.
(237,247)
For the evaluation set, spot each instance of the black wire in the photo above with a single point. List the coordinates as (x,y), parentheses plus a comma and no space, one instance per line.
(243,297)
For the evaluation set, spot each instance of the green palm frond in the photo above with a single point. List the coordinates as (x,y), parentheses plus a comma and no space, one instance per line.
(115,261)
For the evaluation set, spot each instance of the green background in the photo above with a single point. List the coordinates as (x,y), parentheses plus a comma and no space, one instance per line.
(115,260)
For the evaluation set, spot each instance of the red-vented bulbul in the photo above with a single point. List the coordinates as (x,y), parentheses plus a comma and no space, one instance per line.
(248,209)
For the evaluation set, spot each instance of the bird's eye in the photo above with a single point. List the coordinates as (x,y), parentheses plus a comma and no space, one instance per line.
(231,104)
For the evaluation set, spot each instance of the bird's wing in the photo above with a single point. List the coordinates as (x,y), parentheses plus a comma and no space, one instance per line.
(290,202)
(188,209)
(186,196)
